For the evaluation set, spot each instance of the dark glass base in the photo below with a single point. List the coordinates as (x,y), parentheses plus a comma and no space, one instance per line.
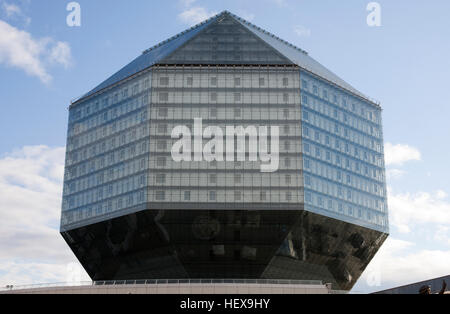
(227,244)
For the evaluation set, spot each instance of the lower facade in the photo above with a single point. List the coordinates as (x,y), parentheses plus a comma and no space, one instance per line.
(228,244)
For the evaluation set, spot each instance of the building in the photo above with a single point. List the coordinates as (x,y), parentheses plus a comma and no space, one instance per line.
(130,211)
(434,284)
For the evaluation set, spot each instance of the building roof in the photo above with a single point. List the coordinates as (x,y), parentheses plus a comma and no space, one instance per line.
(162,52)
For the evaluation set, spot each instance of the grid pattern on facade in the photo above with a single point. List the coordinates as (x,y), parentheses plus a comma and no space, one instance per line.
(107,153)
(343,155)
(225,97)
(226,42)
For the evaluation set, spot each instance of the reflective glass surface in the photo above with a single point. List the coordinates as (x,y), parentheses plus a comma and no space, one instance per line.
(223,244)
(343,155)
(267,97)
(226,42)
(107,154)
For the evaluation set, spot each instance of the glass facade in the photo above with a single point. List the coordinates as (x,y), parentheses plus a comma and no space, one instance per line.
(343,155)
(107,157)
(130,211)
(223,96)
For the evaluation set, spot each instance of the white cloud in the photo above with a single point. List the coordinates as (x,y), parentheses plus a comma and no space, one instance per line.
(187,3)
(11,9)
(31,248)
(393,174)
(195,15)
(401,262)
(400,154)
(19,49)
(14,12)
(247,16)
(407,211)
(302,31)
(60,54)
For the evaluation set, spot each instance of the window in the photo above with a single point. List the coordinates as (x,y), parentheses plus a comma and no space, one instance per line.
(161,162)
(306,131)
(288,179)
(318,153)
(213,96)
(237,195)
(187,195)
(307,164)
(330,204)
(306,115)
(287,146)
(160,178)
(286,129)
(214,81)
(262,82)
(307,148)
(308,197)
(287,162)
(317,136)
(288,196)
(237,113)
(286,113)
(237,96)
(263,196)
(304,100)
(285,82)
(237,179)
(164,81)
(308,180)
(304,84)
(160,195)
(285,97)
(163,96)
(162,128)
(213,179)
(162,145)
(237,81)
(212,195)
(190,81)
(163,112)
(213,112)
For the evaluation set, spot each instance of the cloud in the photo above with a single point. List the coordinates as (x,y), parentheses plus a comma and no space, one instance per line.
(302,31)
(19,49)
(14,12)
(400,154)
(401,262)
(393,174)
(410,210)
(195,15)
(60,54)
(187,3)
(31,248)
(11,9)
(247,16)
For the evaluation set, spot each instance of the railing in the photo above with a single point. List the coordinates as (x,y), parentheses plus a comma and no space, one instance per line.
(163,282)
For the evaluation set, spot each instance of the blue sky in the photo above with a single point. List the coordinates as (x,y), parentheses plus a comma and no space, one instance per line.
(44,64)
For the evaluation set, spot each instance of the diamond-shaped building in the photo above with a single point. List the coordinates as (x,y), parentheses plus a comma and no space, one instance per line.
(131,212)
